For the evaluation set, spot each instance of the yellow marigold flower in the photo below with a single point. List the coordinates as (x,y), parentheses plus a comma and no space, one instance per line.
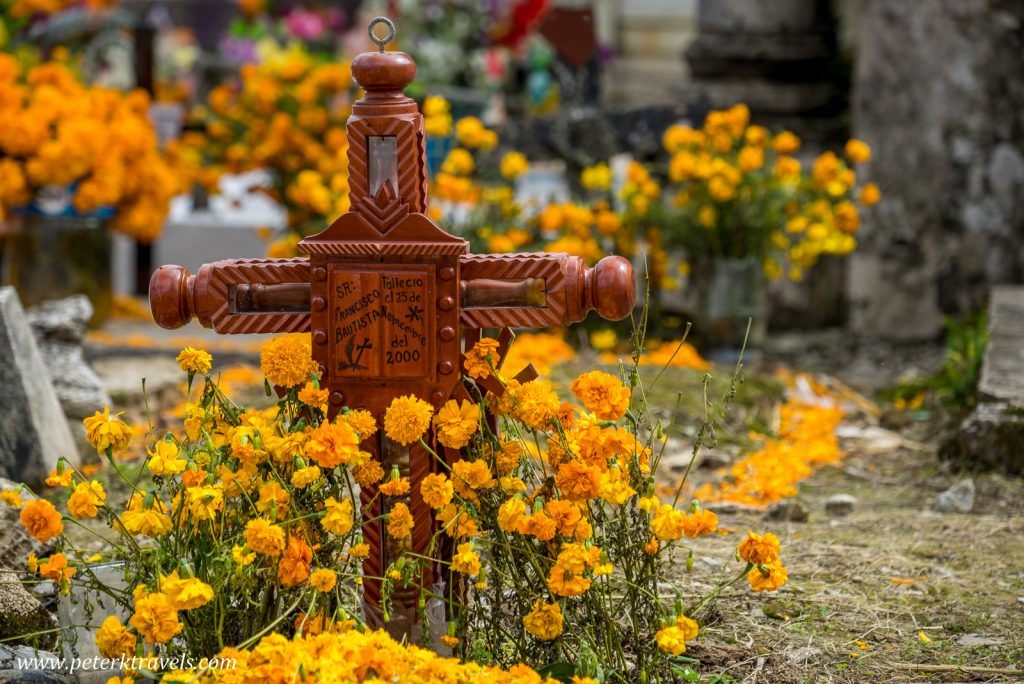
(59,480)
(323,580)
(758,550)
(185,593)
(786,143)
(534,403)
(455,424)
(406,419)
(332,444)
(507,458)
(41,520)
(314,397)
(113,639)
(163,459)
(689,627)
(671,640)
(361,550)
(436,490)
(700,523)
(293,568)
(565,514)
(434,105)
(32,563)
(513,165)
(395,487)
(667,523)
(11,498)
(287,360)
(603,340)
(362,422)
(56,568)
(857,151)
(450,641)
(151,522)
(870,194)
(466,560)
(563,582)
(471,475)
(578,481)
(544,620)
(192,360)
(459,162)
(750,159)
(539,525)
(155,619)
(602,393)
(107,432)
(768,577)
(480,358)
(400,521)
(273,497)
(86,500)
(597,177)
(652,546)
(456,522)
(368,473)
(787,167)
(205,502)
(241,556)
(305,476)
(511,485)
(337,516)
(511,514)
(264,537)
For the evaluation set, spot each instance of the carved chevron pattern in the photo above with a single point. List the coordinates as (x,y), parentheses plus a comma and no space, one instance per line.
(388,248)
(223,274)
(411,190)
(516,267)
(373,534)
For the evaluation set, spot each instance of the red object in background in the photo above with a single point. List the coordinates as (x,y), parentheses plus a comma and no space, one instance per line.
(572,34)
(523,20)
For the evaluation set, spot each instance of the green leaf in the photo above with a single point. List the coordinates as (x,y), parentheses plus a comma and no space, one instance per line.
(561,671)
(687,674)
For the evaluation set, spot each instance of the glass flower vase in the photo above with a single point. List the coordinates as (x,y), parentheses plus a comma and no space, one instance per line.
(731,294)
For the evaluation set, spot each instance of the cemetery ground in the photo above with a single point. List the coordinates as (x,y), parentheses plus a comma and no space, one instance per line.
(891,591)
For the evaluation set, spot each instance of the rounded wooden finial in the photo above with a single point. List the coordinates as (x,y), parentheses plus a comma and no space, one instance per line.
(612,288)
(377,72)
(170,296)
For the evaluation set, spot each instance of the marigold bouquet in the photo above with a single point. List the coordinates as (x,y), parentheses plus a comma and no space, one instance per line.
(559,552)
(99,143)
(737,190)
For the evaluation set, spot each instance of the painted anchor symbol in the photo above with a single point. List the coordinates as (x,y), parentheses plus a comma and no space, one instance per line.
(349,349)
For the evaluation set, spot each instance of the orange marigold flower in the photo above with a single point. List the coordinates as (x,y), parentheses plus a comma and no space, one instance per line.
(538,525)
(406,419)
(287,360)
(450,641)
(163,459)
(507,458)
(671,640)
(323,580)
(396,487)
(468,476)
(566,515)
(151,521)
(577,481)
(757,549)
(563,582)
(313,396)
(192,360)
(185,593)
(293,568)
(264,537)
(304,477)
(56,568)
(332,444)
(155,619)
(272,497)
(11,498)
(107,432)
(455,423)
(690,627)
(400,521)
(456,522)
(61,480)
(534,403)
(113,639)
(857,151)
(602,393)
(667,523)
(768,577)
(511,514)
(436,490)
(652,546)
(700,523)
(86,500)
(544,620)
(41,520)
(368,474)
(476,363)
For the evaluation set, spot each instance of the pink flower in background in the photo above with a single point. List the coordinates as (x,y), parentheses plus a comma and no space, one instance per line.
(304,25)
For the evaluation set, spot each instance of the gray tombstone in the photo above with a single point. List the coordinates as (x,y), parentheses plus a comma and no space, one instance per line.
(33,430)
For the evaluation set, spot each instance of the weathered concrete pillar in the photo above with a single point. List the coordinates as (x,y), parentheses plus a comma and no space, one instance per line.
(939,96)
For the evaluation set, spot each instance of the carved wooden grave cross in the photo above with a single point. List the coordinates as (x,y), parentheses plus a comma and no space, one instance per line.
(392,300)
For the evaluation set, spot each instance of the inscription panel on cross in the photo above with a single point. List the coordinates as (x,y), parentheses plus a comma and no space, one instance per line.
(382,321)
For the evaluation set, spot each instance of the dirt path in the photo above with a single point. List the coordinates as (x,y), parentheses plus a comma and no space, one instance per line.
(842,618)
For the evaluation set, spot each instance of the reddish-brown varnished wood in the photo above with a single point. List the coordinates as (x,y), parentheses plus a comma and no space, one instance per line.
(389,297)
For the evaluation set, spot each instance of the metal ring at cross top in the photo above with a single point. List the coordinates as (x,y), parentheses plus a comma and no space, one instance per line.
(390,36)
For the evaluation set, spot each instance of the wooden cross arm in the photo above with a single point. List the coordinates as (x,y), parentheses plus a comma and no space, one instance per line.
(532,290)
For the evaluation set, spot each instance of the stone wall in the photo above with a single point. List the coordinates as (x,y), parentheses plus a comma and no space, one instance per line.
(939,96)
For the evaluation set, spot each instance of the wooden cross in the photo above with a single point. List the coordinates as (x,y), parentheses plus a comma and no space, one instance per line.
(390,299)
